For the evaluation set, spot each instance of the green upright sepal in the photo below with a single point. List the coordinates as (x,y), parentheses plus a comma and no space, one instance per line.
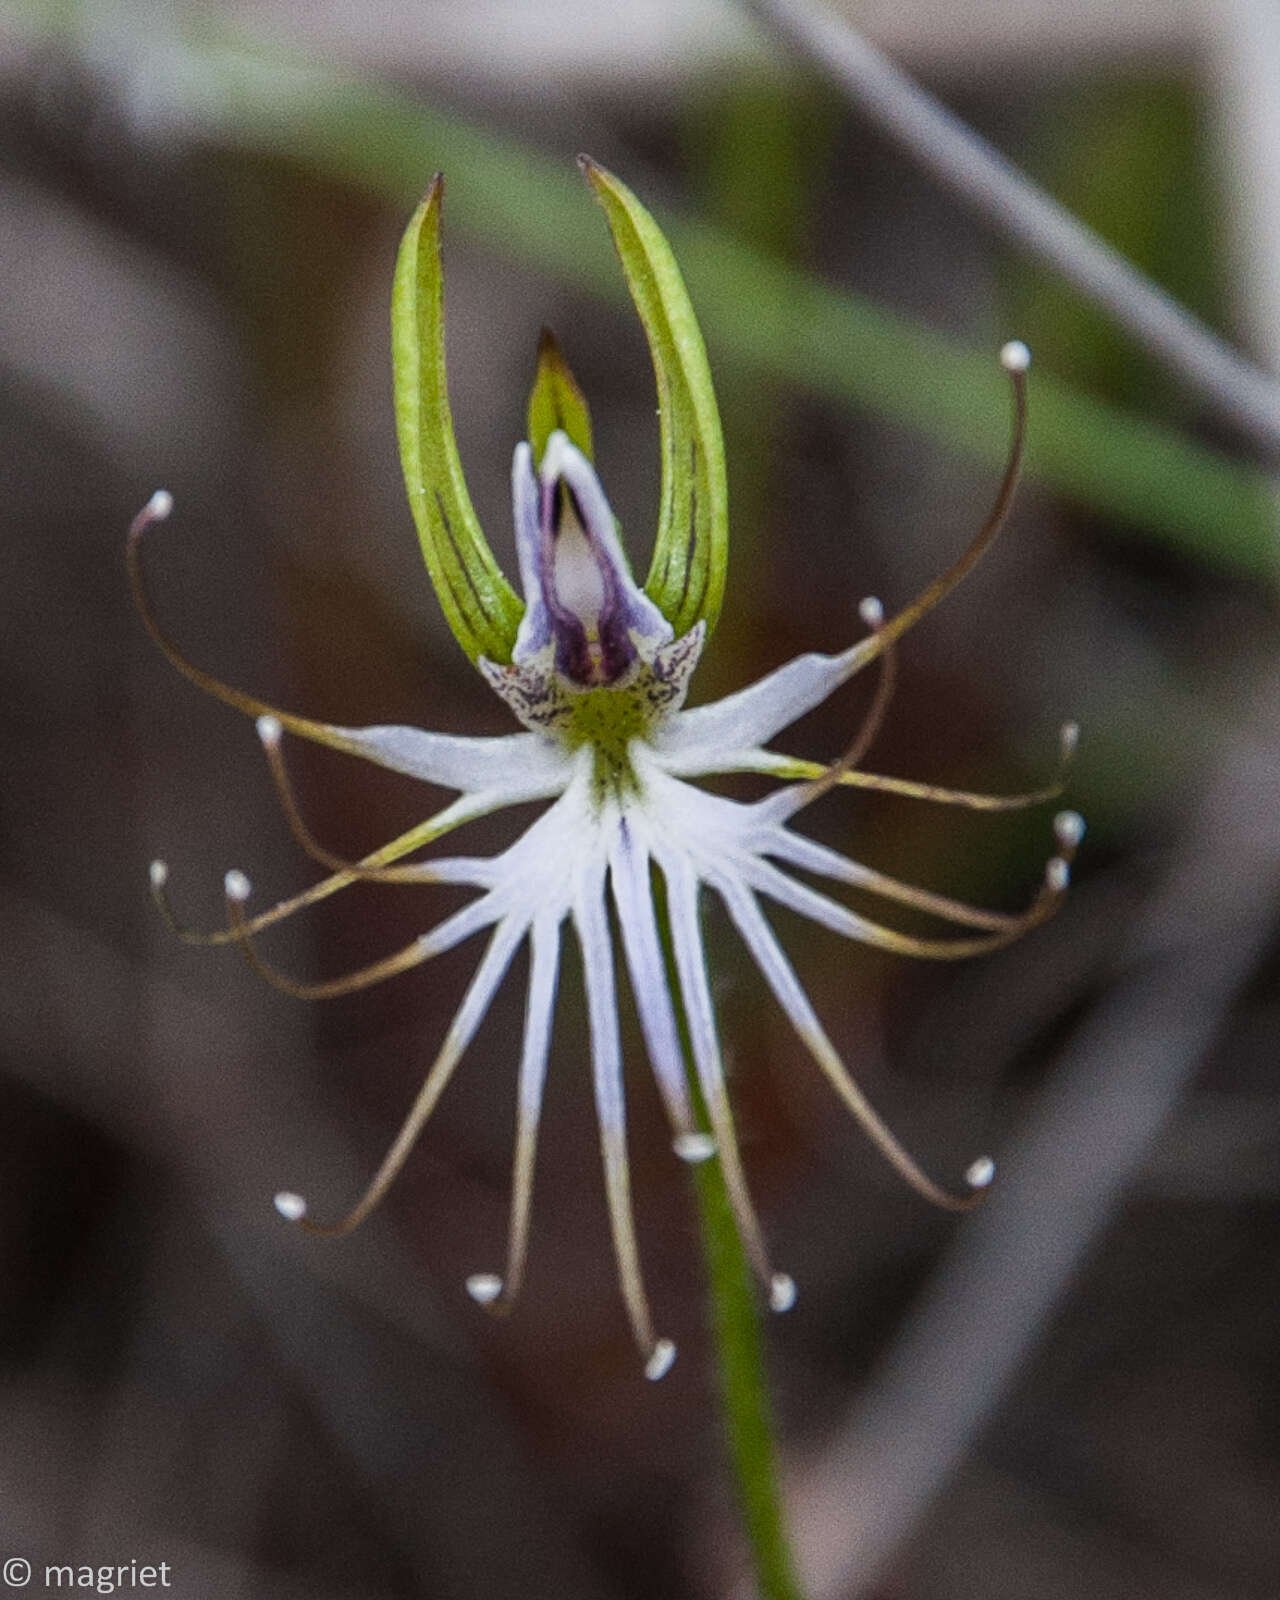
(480,605)
(686,578)
(556,401)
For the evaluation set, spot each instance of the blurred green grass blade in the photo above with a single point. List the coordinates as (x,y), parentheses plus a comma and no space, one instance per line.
(526,206)
(757,147)
(1193,498)
(1127,153)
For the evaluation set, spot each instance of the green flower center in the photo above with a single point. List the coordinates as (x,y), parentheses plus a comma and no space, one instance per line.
(607,717)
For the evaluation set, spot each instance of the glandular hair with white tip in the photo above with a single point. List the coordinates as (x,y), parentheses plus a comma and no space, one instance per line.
(981,1173)
(292,1207)
(1015,357)
(160,504)
(693,1147)
(782,1292)
(1068,827)
(237,886)
(269,729)
(484,1287)
(158,872)
(659,1363)
(871,611)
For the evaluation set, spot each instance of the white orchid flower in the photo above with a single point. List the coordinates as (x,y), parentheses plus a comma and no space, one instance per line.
(596,669)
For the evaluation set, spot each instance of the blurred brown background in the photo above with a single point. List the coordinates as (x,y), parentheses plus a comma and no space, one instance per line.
(1073,1394)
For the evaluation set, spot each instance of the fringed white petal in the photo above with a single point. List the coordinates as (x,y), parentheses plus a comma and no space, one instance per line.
(769,880)
(810,856)
(475,1003)
(629,871)
(676,811)
(686,937)
(713,738)
(458,928)
(510,767)
(528,881)
(592,926)
(543,975)
(544,968)
(489,974)
(720,842)
(781,978)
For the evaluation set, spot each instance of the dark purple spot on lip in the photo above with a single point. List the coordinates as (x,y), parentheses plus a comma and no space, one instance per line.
(576,658)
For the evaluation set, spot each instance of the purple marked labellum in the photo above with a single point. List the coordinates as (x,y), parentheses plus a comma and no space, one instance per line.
(579,592)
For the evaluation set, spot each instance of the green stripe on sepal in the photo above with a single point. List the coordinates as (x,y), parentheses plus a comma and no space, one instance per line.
(556,401)
(686,578)
(479,604)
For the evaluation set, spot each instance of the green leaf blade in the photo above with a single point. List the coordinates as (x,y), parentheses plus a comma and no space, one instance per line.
(690,555)
(479,604)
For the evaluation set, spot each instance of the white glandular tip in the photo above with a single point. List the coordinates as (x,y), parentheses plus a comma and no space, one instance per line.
(1015,357)
(782,1292)
(1068,829)
(484,1287)
(693,1147)
(659,1363)
(237,886)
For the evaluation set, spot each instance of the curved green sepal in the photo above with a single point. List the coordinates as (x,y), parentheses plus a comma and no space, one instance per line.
(556,401)
(479,604)
(686,578)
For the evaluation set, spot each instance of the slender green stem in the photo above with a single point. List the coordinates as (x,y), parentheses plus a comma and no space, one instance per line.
(753,128)
(736,1334)
(734,1326)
